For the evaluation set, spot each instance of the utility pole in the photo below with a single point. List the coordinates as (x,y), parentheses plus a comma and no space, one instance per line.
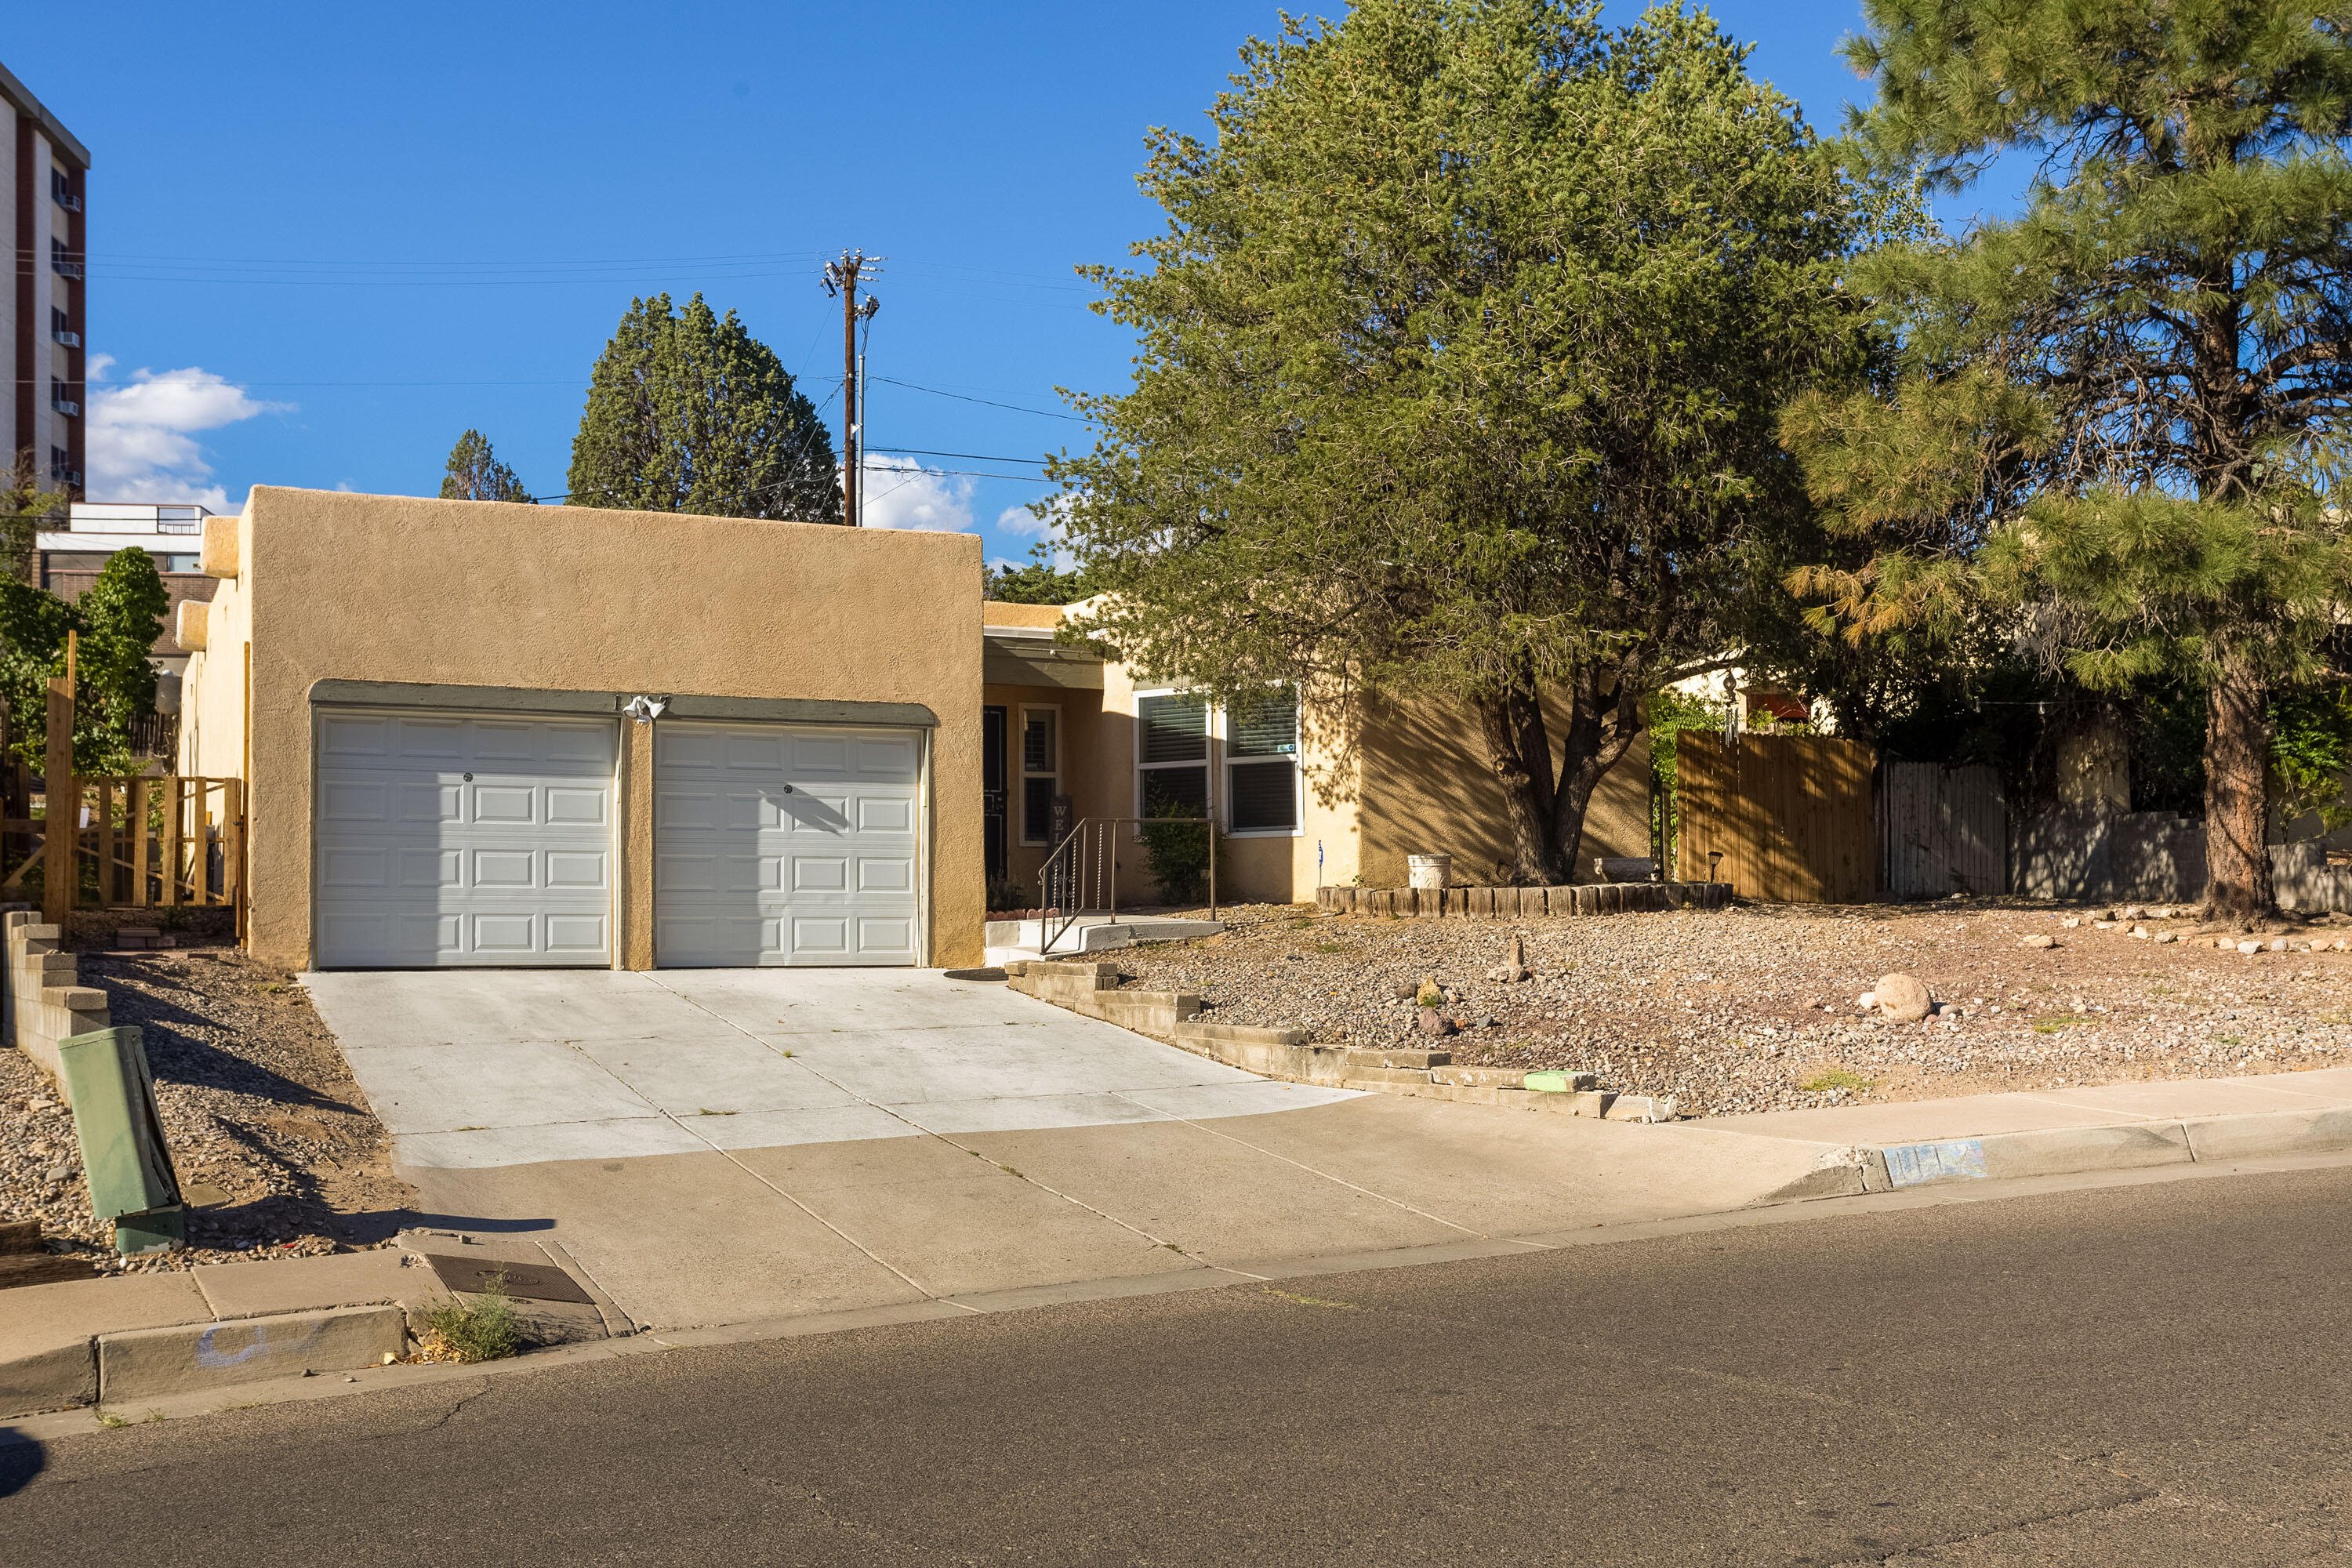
(840,277)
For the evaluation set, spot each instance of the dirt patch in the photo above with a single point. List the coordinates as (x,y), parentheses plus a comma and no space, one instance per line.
(255,1100)
(1754,1008)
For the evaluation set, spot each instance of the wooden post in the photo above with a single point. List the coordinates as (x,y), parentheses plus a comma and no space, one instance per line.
(142,839)
(61,823)
(105,843)
(233,845)
(173,809)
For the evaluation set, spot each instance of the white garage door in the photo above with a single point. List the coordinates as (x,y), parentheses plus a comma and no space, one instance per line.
(777,845)
(446,841)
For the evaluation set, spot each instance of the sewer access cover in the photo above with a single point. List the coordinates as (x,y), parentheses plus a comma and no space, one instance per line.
(535,1281)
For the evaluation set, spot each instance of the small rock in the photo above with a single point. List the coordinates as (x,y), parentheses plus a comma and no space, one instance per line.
(60,1174)
(2278,944)
(1436,1024)
(1513,967)
(1905,998)
(2038,939)
(2163,937)
(1866,1001)
(2140,932)
(2249,947)
(2070,922)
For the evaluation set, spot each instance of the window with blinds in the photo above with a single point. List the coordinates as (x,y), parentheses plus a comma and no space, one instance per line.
(1172,755)
(1262,766)
(1040,773)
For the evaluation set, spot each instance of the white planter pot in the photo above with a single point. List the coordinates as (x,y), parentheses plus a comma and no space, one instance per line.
(1429,870)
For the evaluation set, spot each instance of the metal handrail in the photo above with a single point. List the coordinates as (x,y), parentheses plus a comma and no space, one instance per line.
(1067,870)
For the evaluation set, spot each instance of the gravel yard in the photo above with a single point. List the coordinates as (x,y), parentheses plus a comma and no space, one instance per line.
(1755,1008)
(255,1100)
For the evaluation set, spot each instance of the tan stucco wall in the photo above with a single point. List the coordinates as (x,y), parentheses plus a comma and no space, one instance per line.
(387,588)
(1270,868)
(1000,613)
(1428,790)
(212,690)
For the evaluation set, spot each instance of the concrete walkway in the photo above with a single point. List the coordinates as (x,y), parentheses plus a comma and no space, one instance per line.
(723,1146)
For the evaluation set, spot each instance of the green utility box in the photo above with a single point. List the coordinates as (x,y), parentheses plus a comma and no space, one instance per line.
(124,1156)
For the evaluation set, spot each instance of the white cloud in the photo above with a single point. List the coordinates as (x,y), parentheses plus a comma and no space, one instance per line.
(1022,523)
(902,493)
(142,444)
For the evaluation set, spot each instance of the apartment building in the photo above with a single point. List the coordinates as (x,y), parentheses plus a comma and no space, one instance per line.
(68,560)
(43,178)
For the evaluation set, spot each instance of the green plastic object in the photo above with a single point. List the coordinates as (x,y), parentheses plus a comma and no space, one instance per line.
(1549,1082)
(124,1156)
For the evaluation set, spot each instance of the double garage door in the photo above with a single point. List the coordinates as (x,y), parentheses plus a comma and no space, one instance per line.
(446,841)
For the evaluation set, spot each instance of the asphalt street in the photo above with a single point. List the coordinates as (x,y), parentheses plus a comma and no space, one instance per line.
(2150,1375)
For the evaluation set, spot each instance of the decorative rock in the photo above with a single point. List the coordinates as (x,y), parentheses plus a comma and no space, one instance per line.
(2249,947)
(1436,1024)
(2278,944)
(2070,922)
(1904,998)
(1866,1001)
(2038,939)
(2140,932)
(2163,937)
(1513,967)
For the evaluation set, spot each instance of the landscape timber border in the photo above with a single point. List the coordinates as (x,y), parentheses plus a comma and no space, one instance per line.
(1524,903)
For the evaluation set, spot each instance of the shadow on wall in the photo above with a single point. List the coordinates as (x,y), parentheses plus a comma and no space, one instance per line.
(1428,789)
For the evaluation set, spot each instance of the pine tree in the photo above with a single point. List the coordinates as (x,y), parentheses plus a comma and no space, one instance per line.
(475,474)
(2115,415)
(687,412)
(1460,362)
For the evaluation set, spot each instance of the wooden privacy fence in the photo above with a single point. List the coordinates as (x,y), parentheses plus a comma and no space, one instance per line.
(138,842)
(1783,818)
(1941,830)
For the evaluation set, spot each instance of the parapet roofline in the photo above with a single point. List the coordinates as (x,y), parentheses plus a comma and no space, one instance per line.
(21,97)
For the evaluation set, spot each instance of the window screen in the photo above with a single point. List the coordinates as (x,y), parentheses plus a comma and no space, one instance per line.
(1175,729)
(1263,798)
(1038,741)
(1268,729)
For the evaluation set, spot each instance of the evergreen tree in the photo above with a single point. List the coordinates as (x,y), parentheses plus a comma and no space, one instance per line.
(1461,359)
(1036,583)
(2116,414)
(475,474)
(689,411)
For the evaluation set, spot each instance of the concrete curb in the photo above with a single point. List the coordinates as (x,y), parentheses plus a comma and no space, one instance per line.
(2068,1151)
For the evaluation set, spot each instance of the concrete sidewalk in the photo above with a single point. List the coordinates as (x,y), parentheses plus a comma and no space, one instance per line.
(716,1147)
(2115,1127)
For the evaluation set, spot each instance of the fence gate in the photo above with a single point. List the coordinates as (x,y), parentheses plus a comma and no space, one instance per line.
(1941,830)
(1783,818)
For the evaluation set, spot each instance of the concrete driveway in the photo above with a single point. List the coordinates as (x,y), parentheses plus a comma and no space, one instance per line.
(718,1146)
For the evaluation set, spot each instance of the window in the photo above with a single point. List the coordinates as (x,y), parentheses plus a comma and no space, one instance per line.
(1262,766)
(61,190)
(61,261)
(1040,773)
(1172,754)
(58,400)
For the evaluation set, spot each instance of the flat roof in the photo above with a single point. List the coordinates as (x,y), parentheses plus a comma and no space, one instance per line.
(17,93)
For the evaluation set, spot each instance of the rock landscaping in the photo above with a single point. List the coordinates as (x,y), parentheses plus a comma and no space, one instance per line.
(1765,1008)
(272,1139)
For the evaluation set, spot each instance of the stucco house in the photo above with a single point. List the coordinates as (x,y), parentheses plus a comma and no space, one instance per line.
(1295,813)
(480,734)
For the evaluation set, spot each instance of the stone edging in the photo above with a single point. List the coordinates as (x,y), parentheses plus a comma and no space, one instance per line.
(1521,903)
(1173,1018)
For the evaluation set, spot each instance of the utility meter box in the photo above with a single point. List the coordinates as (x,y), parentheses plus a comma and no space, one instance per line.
(124,1156)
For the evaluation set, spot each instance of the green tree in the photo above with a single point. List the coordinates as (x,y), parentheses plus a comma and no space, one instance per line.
(1036,583)
(2114,414)
(1460,362)
(24,510)
(475,474)
(689,411)
(118,619)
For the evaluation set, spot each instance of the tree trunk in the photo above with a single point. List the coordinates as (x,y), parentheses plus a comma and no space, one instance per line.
(1518,752)
(1600,730)
(2237,801)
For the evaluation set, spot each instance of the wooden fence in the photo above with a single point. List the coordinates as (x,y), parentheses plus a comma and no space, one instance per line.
(149,842)
(1783,818)
(1941,830)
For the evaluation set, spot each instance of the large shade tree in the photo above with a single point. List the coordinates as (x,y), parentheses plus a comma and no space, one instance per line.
(2116,412)
(689,411)
(115,622)
(1460,361)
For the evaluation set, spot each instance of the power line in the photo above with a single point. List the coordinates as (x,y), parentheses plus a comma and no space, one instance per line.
(975,456)
(961,398)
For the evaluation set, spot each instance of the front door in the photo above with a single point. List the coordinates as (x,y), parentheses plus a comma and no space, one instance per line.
(992,789)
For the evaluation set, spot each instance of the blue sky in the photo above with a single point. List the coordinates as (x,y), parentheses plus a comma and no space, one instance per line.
(332,238)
